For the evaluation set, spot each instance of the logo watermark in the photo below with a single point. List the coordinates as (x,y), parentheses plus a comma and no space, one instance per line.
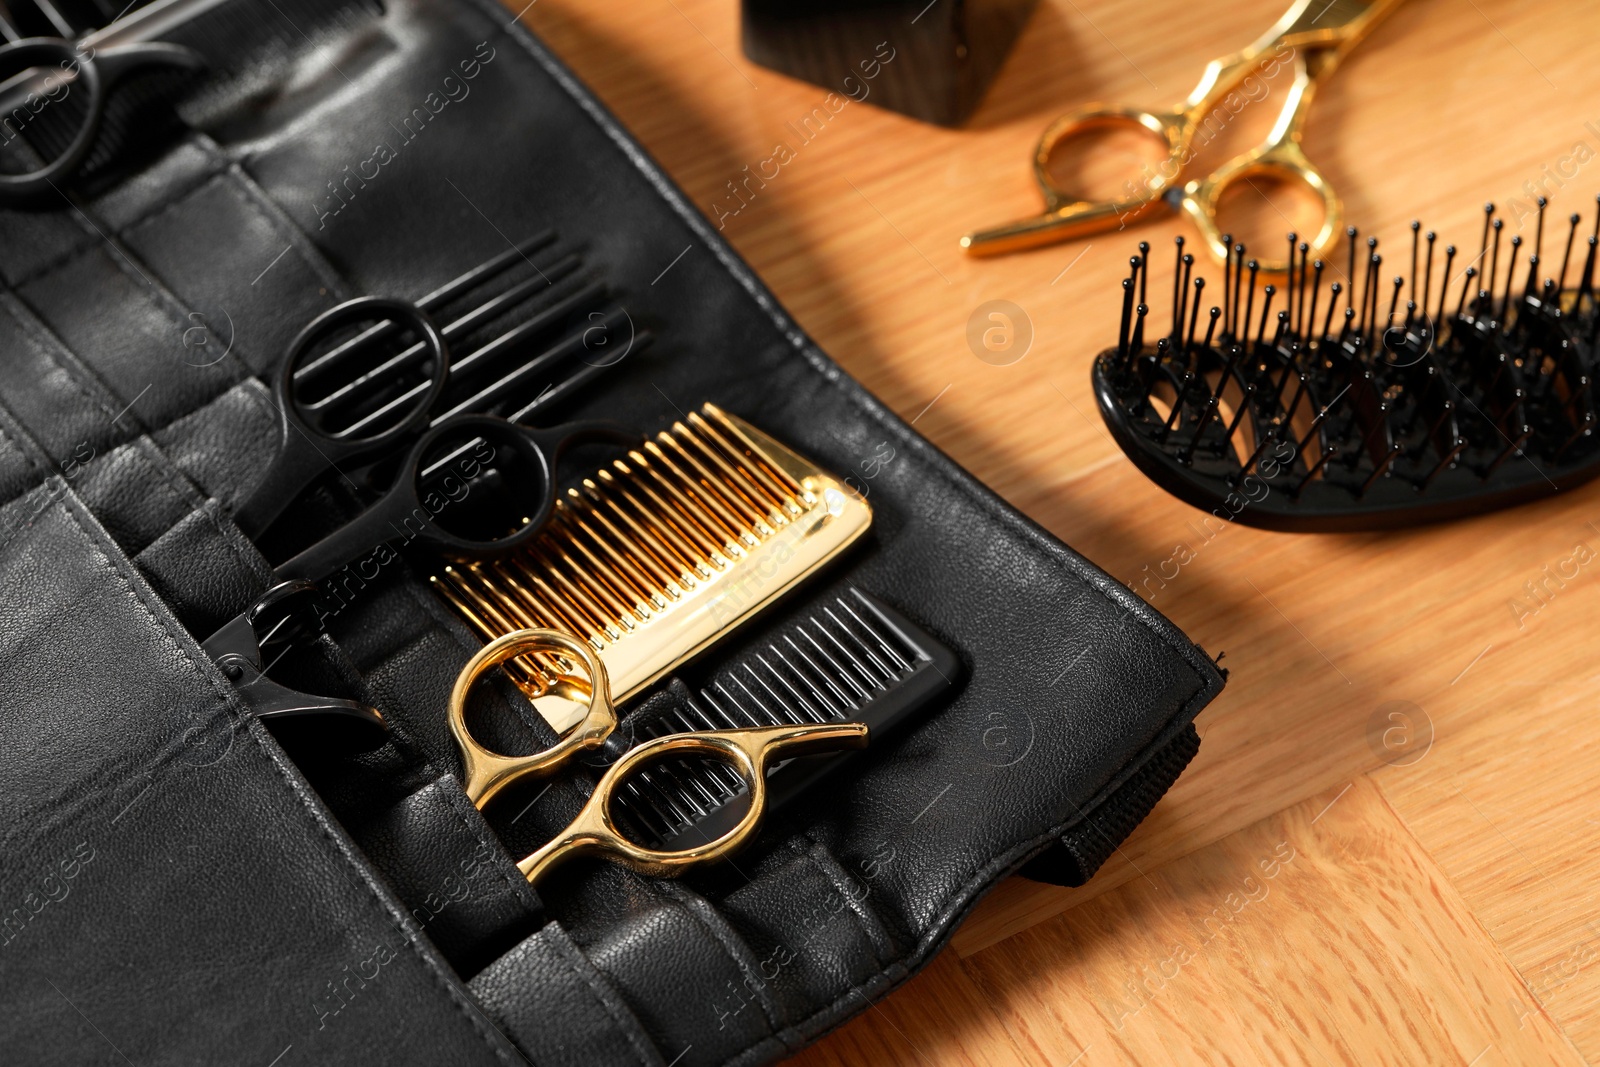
(1400,733)
(999,332)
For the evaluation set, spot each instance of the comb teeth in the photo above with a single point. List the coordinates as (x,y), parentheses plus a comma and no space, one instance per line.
(656,555)
(1389,410)
(852,659)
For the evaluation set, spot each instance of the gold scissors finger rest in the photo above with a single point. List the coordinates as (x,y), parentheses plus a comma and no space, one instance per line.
(1313,35)
(749,752)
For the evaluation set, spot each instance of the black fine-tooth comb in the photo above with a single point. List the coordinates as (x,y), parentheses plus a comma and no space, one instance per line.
(856,659)
(1302,417)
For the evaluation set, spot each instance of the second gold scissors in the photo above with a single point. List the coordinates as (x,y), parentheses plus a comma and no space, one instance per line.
(1313,35)
(749,752)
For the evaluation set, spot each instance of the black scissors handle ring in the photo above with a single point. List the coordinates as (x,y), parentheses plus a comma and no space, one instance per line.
(390,315)
(490,454)
(95,74)
(307,449)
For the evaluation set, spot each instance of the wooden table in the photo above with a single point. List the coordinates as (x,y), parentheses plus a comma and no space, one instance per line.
(1328,883)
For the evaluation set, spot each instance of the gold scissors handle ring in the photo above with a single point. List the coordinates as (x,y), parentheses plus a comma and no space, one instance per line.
(748,751)
(1066,214)
(487,773)
(1175,129)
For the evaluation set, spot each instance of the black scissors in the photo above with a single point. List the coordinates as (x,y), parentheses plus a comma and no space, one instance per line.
(278,620)
(362,380)
(494,478)
(38,73)
(474,486)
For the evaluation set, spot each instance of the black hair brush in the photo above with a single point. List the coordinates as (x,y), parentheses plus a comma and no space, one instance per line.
(1387,405)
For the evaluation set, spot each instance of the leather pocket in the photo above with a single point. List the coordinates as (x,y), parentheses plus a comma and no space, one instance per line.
(151,493)
(164,858)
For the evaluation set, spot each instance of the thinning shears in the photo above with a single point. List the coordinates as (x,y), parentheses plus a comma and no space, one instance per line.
(1313,35)
(749,752)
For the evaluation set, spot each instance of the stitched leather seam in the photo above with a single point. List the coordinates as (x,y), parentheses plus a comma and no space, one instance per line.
(247,192)
(164,298)
(418,762)
(52,348)
(56,811)
(150,433)
(458,633)
(252,195)
(868,923)
(67,258)
(230,177)
(209,179)
(738,953)
(185,495)
(252,561)
(579,965)
(27,453)
(459,1001)
(455,799)
(31,329)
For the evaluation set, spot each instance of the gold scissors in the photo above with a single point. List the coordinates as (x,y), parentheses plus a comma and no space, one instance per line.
(1316,33)
(749,752)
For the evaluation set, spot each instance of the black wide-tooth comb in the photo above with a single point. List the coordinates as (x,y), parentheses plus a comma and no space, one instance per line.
(1378,409)
(855,659)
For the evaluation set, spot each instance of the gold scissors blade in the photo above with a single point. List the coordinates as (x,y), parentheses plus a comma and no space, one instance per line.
(1329,23)
(1318,33)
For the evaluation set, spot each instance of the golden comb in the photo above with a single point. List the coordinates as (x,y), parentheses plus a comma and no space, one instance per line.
(657,556)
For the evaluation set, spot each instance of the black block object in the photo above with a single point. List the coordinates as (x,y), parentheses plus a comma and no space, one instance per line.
(931,60)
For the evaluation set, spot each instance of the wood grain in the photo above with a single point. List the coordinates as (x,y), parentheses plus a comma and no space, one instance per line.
(1456,876)
(1322,934)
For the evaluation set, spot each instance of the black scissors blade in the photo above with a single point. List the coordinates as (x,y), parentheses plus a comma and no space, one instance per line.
(296,718)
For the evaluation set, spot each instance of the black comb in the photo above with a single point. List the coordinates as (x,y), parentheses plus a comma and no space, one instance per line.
(1342,402)
(854,659)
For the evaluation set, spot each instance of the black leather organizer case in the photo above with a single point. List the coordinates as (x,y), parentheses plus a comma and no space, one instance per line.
(178,888)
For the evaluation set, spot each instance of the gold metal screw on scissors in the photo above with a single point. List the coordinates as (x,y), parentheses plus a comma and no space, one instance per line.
(748,751)
(1318,32)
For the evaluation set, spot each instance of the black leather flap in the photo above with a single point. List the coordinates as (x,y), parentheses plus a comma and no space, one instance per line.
(165,863)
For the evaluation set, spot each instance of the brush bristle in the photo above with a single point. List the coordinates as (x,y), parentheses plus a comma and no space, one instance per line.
(1346,394)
